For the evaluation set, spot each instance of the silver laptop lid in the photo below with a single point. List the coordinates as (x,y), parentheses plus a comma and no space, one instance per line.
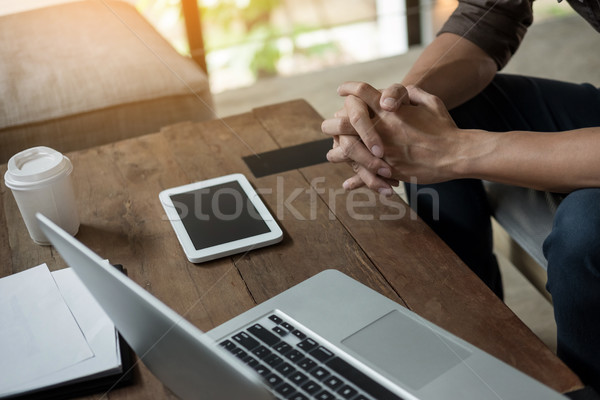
(174,350)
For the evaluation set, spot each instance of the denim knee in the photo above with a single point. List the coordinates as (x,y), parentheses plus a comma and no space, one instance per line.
(573,247)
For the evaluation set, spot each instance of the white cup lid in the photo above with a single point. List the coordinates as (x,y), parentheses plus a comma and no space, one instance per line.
(34,166)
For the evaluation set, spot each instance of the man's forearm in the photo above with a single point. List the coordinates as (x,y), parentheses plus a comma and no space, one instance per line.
(552,161)
(452,68)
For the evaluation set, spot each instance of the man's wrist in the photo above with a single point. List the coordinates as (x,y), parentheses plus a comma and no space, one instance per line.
(473,153)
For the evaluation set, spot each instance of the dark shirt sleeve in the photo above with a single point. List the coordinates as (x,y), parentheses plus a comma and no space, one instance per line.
(497,27)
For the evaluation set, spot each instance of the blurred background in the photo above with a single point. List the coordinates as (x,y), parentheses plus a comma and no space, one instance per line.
(248,40)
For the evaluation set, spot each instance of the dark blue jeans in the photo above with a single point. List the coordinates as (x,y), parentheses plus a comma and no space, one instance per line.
(572,249)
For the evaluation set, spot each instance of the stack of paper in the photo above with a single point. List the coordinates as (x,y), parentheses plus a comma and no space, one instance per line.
(52,333)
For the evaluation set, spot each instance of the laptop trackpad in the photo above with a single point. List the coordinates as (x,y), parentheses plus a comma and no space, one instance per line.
(406,349)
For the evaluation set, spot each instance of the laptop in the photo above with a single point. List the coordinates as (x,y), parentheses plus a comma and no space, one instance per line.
(329,337)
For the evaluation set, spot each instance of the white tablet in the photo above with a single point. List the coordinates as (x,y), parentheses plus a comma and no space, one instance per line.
(219,217)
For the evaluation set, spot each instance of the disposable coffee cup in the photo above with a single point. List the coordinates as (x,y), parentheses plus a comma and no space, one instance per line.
(40,181)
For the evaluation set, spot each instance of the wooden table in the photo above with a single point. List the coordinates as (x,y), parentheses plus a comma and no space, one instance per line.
(383,245)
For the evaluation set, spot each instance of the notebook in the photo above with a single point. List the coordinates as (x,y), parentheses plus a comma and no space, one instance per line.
(329,337)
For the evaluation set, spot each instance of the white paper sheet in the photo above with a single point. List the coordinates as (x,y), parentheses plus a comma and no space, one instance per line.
(97,329)
(38,334)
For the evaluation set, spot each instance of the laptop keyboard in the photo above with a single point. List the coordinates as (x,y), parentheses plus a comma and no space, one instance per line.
(297,367)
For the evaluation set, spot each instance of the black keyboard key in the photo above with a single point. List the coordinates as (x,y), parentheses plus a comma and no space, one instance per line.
(273,380)
(324,395)
(320,373)
(295,356)
(282,347)
(251,361)
(263,334)
(333,382)
(298,378)
(275,319)
(307,345)
(246,340)
(321,354)
(261,352)
(285,369)
(262,370)
(285,389)
(361,380)
(228,345)
(347,392)
(307,364)
(311,387)
(299,334)
(287,326)
(273,360)
(361,397)
(297,396)
(280,331)
(239,353)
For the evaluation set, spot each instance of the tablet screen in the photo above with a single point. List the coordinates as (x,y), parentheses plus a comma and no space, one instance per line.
(218,214)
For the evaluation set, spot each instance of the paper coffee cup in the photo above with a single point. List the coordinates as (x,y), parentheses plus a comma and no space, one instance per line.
(40,180)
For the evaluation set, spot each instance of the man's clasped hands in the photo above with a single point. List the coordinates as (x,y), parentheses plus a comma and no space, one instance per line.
(398,134)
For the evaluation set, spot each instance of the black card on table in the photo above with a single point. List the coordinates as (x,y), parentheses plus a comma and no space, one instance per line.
(289,158)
